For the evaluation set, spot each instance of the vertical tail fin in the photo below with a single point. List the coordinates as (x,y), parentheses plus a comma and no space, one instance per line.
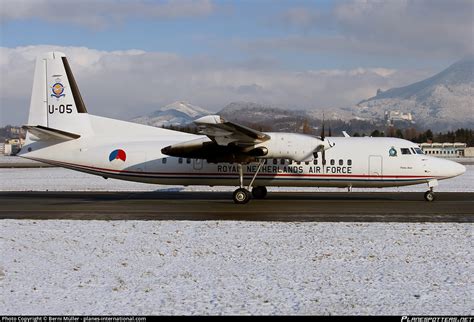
(56,102)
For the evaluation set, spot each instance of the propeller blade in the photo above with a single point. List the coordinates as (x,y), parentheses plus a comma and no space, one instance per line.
(323,132)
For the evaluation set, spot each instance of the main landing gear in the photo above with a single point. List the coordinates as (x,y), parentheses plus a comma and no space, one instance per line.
(243,195)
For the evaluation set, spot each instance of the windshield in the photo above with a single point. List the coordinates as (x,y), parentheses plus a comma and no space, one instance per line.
(419,151)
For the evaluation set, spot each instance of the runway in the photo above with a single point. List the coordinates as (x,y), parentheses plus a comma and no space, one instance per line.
(278,206)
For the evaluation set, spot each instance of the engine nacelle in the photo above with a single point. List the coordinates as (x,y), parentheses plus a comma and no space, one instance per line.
(294,146)
(298,147)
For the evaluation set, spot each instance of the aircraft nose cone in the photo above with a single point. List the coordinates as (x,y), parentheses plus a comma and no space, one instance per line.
(454,169)
(460,169)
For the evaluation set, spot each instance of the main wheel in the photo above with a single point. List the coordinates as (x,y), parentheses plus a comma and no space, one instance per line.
(241,196)
(429,196)
(259,192)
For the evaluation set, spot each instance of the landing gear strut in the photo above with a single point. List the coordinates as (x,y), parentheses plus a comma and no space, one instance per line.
(242,195)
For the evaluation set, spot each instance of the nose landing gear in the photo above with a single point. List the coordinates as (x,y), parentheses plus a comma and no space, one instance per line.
(429,195)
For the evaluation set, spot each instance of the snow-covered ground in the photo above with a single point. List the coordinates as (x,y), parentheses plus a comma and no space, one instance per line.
(59,179)
(231,267)
(147,267)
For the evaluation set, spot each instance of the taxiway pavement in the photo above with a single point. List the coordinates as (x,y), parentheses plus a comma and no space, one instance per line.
(278,206)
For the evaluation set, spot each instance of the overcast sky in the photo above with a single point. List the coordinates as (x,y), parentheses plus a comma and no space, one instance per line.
(131,57)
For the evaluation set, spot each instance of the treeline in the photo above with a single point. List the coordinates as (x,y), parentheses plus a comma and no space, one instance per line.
(333,128)
(460,135)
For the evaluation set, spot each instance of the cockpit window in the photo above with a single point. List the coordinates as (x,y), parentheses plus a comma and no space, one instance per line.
(419,151)
(405,151)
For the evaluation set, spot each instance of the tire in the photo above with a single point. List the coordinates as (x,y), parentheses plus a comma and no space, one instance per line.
(259,192)
(429,196)
(241,196)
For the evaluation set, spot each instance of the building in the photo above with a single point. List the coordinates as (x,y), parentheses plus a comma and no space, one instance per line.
(469,152)
(12,146)
(398,116)
(444,150)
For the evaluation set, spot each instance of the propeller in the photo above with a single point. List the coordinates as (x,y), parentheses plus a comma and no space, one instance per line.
(323,137)
(326,143)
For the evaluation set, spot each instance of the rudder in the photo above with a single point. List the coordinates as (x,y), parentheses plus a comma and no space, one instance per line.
(56,102)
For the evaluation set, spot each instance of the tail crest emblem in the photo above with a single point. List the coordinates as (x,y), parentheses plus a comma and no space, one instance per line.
(58,89)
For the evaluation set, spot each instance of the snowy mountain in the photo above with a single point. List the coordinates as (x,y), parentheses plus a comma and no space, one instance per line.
(177,113)
(263,116)
(441,102)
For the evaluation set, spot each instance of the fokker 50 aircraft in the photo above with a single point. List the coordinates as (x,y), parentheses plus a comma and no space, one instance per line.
(61,132)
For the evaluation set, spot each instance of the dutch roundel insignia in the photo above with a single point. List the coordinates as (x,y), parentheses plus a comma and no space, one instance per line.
(118,154)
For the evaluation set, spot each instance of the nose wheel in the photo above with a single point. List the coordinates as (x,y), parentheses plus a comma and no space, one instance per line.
(429,196)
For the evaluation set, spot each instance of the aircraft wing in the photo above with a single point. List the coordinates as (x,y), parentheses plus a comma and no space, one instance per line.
(225,142)
(224,132)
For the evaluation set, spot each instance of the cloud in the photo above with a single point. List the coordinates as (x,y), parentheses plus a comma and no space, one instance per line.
(301,18)
(425,28)
(100,14)
(124,84)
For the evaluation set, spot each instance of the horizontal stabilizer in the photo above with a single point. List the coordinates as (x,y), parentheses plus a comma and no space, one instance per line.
(49,134)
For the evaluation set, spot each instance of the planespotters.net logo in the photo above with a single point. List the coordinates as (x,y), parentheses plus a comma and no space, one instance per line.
(437,319)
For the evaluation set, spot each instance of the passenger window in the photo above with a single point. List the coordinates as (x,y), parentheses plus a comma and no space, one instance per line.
(405,151)
(315,161)
(298,163)
(290,161)
(333,162)
(163,160)
(349,162)
(307,163)
(282,161)
(275,161)
(180,160)
(341,162)
(188,160)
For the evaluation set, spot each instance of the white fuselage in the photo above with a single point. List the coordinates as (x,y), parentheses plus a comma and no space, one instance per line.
(351,162)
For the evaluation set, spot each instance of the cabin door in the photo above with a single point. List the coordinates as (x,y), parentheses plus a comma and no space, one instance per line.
(375,165)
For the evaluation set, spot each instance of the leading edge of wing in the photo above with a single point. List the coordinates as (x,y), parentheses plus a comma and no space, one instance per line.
(224,132)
